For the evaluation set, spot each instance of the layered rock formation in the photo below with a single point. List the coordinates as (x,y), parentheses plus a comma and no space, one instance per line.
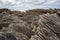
(37,24)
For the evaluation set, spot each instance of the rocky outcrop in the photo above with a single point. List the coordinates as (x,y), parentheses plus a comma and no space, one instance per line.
(38,24)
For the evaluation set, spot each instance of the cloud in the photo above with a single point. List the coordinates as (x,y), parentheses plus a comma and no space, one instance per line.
(29,4)
(51,1)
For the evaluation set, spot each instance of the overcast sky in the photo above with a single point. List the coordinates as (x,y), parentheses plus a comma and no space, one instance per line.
(23,5)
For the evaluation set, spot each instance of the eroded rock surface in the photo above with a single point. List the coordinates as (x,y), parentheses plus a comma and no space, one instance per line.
(30,25)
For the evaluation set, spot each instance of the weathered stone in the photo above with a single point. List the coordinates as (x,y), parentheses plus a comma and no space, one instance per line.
(21,28)
(7,36)
(36,24)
